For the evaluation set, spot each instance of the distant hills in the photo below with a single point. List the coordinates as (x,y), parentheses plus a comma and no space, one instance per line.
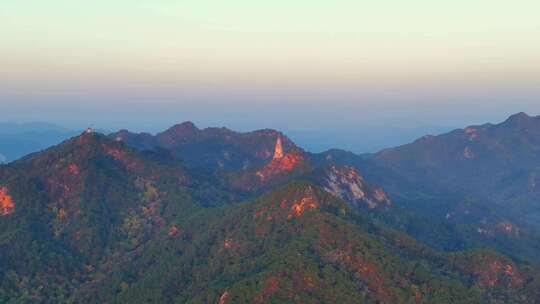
(16,128)
(17,140)
(212,215)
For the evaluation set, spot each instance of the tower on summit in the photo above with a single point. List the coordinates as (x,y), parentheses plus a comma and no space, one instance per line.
(278,153)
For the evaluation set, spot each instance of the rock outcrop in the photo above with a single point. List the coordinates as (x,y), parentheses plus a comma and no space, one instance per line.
(346,183)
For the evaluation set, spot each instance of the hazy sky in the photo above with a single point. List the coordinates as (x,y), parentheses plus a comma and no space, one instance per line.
(348,73)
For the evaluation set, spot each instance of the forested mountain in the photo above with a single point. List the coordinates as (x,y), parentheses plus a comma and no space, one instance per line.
(212,148)
(298,244)
(498,162)
(74,205)
(217,216)
(480,182)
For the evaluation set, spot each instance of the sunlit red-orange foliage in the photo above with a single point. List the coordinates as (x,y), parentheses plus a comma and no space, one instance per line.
(508,228)
(490,272)
(60,188)
(363,270)
(74,169)
(284,208)
(6,202)
(310,282)
(120,156)
(287,283)
(61,213)
(224,297)
(281,165)
(271,285)
(472,132)
(417,294)
(173,231)
(288,207)
(300,206)
(332,247)
(227,243)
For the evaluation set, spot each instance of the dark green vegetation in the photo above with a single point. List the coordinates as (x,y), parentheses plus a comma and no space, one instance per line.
(76,204)
(95,221)
(300,244)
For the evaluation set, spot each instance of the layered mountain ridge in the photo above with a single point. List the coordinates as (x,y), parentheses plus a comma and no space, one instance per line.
(480,180)
(213,148)
(477,185)
(217,216)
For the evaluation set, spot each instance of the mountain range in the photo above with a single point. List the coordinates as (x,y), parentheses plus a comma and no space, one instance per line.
(212,215)
(481,180)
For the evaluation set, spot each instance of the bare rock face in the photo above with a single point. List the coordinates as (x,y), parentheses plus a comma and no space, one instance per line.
(345,183)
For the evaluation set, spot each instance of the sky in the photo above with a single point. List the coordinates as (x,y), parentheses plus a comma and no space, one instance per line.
(353,74)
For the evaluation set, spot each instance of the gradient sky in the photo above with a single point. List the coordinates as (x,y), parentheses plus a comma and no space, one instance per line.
(354,74)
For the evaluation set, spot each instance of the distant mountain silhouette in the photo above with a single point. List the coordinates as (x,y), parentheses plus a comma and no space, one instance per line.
(17,140)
